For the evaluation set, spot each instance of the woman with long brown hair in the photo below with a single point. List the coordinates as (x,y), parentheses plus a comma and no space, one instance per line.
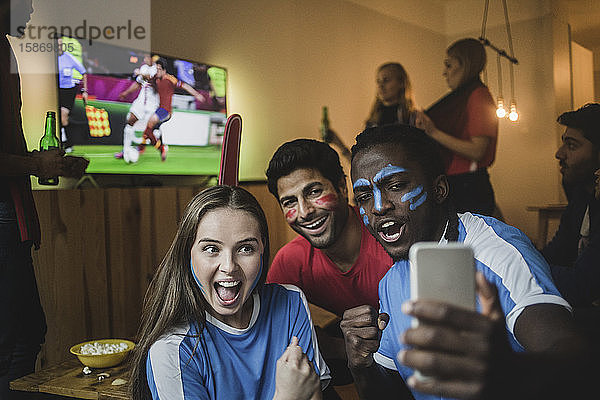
(211,328)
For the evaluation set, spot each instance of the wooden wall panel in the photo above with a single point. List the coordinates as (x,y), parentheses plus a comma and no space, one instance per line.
(94,263)
(100,248)
(59,271)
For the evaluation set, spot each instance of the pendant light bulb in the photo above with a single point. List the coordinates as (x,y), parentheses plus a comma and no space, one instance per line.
(513,115)
(500,111)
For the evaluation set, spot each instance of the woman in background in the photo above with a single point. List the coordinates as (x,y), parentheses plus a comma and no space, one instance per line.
(211,328)
(464,123)
(394,101)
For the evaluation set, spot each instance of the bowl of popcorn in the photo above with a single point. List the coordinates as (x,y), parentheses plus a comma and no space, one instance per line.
(102,353)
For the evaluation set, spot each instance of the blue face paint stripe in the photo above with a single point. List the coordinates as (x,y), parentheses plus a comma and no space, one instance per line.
(420,200)
(361,182)
(377,198)
(259,274)
(365,220)
(412,194)
(196,278)
(386,171)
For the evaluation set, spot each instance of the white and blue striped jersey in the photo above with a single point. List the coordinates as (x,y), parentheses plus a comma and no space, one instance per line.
(507,259)
(228,363)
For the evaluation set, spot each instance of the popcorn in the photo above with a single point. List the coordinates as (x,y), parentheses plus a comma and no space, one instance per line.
(97,348)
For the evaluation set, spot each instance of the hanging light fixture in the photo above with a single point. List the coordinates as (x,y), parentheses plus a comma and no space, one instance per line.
(501,109)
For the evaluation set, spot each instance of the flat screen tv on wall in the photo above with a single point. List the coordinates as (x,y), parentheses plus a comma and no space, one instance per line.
(144,113)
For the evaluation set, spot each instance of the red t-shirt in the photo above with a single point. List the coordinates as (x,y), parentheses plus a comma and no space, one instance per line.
(322,281)
(165,88)
(479,120)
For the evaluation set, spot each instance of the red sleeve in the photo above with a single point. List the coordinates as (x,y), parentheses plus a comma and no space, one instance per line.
(286,267)
(481,114)
(174,81)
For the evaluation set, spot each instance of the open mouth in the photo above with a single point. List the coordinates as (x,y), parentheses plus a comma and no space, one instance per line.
(228,291)
(317,226)
(390,231)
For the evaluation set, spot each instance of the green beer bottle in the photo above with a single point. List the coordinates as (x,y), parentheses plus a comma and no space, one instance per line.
(325,132)
(49,142)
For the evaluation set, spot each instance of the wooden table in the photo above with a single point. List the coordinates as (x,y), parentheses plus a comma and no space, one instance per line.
(321,317)
(545,213)
(67,379)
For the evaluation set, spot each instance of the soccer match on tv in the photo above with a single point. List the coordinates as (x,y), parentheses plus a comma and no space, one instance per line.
(135,112)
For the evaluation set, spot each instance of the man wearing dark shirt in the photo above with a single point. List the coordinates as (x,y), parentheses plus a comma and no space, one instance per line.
(22,322)
(574,251)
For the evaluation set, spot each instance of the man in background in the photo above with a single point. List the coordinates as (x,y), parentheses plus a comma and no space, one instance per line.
(574,251)
(23,325)
(334,260)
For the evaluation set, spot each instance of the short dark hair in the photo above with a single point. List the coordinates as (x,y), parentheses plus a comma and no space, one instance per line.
(586,119)
(162,62)
(416,143)
(304,153)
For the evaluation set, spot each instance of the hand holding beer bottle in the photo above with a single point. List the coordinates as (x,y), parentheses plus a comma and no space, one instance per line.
(50,160)
(49,143)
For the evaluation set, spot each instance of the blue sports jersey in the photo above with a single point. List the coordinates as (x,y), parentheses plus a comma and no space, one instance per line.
(507,259)
(228,363)
(66,64)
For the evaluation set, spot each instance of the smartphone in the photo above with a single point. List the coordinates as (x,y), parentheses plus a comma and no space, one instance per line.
(443,272)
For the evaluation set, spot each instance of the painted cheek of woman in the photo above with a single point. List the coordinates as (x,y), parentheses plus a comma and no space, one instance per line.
(328,201)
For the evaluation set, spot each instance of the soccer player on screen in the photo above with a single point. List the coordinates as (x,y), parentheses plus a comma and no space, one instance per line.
(68,88)
(165,85)
(142,108)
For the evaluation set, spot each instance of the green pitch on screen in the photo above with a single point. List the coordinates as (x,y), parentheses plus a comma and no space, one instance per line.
(181,160)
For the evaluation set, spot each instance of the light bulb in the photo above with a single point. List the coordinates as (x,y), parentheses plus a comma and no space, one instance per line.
(513,115)
(500,111)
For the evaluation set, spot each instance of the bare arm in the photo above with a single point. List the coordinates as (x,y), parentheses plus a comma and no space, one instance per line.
(362,328)
(14,165)
(473,149)
(192,91)
(295,377)
(133,87)
(84,95)
(43,164)
(334,139)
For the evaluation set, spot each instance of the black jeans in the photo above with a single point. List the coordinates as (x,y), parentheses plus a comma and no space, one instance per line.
(22,320)
(472,192)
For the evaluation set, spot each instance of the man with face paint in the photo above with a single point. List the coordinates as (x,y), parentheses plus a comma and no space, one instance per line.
(574,251)
(335,261)
(399,183)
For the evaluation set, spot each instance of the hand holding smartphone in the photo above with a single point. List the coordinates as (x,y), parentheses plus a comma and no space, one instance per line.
(442,272)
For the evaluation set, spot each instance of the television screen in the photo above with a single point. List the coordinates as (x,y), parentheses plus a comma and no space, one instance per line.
(132,112)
